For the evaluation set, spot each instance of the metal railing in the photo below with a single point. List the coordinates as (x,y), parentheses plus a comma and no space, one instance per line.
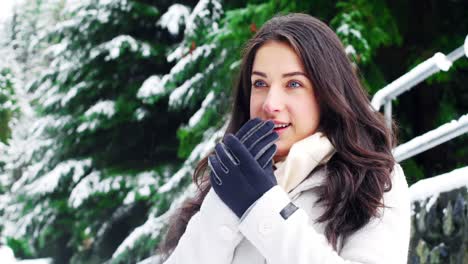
(418,74)
(431,139)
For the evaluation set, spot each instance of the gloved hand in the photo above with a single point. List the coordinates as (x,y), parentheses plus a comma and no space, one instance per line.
(241,168)
(251,133)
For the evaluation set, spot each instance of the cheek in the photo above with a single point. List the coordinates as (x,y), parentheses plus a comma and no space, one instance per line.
(311,116)
(255,106)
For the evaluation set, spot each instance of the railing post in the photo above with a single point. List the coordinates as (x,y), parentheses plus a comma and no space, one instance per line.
(388,113)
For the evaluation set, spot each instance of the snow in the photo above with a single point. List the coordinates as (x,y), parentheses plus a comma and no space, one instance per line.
(35,261)
(142,184)
(177,53)
(432,201)
(346,30)
(104,107)
(408,80)
(140,114)
(465,46)
(50,95)
(151,260)
(195,119)
(442,61)
(184,90)
(350,50)
(19,218)
(200,14)
(153,225)
(235,64)
(6,8)
(6,255)
(432,138)
(87,126)
(431,187)
(114,47)
(41,124)
(20,155)
(56,49)
(204,50)
(85,17)
(176,14)
(181,173)
(350,33)
(182,94)
(207,144)
(151,87)
(72,92)
(92,184)
(49,181)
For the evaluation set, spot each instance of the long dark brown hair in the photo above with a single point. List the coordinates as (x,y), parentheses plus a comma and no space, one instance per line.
(359,172)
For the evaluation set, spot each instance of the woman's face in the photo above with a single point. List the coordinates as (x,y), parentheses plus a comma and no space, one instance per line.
(282,92)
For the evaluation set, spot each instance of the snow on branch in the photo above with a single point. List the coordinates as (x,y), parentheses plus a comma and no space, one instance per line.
(205,14)
(114,47)
(176,15)
(153,225)
(155,87)
(201,150)
(195,119)
(49,181)
(102,110)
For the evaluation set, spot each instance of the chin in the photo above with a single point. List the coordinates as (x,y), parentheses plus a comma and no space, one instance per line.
(280,155)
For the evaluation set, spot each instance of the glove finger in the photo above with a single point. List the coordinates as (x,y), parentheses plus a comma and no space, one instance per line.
(248,126)
(226,158)
(262,143)
(254,134)
(241,152)
(215,169)
(257,178)
(267,155)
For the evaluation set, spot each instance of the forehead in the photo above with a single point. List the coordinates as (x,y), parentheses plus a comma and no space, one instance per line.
(276,57)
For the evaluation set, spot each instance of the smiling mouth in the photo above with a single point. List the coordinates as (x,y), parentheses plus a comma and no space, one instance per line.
(282,126)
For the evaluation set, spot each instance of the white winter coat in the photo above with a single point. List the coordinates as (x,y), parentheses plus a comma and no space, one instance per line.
(215,235)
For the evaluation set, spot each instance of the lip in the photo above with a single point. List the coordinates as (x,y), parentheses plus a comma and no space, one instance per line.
(279,131)
(277,122)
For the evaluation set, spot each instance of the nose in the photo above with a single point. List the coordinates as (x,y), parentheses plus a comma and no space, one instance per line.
(274,101)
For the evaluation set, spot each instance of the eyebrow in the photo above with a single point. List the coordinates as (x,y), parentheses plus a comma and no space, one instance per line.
(289,74)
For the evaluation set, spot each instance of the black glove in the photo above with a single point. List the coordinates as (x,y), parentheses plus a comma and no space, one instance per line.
(241,168)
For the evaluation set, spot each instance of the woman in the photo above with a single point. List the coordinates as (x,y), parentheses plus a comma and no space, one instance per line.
(304,173)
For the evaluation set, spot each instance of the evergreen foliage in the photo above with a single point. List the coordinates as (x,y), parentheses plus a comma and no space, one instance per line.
(123,98)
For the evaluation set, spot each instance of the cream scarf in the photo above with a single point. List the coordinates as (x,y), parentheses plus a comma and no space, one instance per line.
(302,158)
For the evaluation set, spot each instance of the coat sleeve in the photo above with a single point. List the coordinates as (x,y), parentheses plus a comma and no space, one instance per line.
(211,236)
(294,240)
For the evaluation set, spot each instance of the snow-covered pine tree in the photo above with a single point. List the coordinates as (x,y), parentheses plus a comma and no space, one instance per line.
(8,103)
(18,64)
(89,180)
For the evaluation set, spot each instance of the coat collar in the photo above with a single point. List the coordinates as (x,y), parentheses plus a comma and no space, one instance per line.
(315,178)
